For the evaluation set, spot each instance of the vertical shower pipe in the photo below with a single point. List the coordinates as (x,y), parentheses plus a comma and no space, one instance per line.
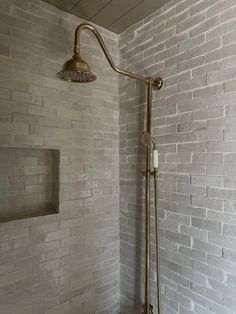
(155,175)
(147,176)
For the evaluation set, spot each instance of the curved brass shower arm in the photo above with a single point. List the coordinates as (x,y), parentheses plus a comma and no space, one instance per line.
(155,82)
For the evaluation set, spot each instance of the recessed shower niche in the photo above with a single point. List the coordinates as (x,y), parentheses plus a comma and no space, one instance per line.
(29,183)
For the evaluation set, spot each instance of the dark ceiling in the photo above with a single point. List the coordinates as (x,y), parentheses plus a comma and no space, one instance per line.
(114,15)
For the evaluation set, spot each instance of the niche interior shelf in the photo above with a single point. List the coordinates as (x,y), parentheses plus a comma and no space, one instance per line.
(29,182)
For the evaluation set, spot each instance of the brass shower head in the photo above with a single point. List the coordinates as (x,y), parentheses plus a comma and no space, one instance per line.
(76,70)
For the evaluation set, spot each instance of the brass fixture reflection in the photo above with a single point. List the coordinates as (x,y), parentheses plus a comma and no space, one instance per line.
(77,70)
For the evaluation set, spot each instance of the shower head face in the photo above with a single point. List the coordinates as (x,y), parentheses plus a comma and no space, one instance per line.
(76,70)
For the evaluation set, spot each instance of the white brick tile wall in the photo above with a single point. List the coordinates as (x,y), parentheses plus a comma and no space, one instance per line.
(193,120)
(65,263)
(69,262)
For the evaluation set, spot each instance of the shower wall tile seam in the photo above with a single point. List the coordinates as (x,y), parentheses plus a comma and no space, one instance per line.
(191,44)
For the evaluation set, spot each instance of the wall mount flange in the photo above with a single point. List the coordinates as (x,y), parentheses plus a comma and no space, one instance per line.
(157,83)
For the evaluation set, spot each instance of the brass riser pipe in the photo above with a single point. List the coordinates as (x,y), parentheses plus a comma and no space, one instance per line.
(147,196)
(148,174)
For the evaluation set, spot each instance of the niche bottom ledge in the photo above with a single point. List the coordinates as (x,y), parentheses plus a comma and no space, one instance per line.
(35,213)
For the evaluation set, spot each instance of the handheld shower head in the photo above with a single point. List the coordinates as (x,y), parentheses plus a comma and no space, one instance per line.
(76,70)
(147,140)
